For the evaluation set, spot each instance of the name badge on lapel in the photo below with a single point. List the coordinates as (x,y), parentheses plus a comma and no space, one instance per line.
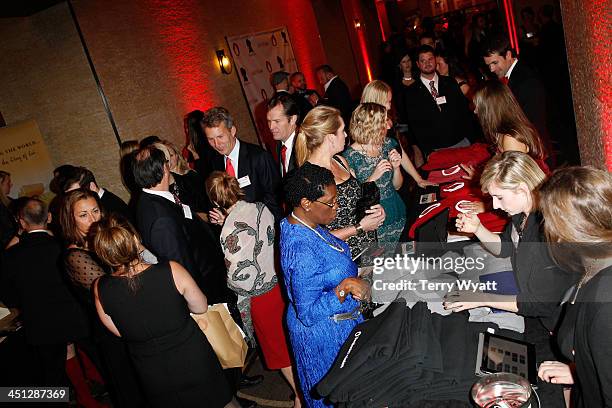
(244,181)
(187,211)
(440,100)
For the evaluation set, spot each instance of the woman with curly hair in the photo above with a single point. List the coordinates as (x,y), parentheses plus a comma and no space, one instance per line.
(375,157)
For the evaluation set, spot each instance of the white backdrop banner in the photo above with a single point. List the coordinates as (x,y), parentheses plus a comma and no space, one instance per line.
(256,56)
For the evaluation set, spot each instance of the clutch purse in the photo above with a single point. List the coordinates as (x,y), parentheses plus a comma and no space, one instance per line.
(370,195)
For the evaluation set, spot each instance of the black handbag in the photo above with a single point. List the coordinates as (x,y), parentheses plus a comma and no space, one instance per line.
(370,195)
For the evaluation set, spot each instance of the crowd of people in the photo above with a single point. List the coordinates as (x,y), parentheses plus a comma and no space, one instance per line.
(106,288)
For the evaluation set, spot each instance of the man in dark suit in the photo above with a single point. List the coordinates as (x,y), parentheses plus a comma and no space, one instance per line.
(32,281)
(336,92)
(253,167)
(280,82)
(81,177)
(436,110)
(502,60)
(298,81)
(283,119)
(171,230)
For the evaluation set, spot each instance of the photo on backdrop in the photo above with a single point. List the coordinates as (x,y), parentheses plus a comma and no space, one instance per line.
(256,56)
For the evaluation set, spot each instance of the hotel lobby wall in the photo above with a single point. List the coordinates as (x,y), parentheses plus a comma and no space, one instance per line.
(156,62)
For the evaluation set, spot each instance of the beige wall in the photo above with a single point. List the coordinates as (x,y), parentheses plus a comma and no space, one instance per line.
(44,76)
(156,62)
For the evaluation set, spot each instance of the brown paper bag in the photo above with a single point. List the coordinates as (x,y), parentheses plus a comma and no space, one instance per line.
(224,335)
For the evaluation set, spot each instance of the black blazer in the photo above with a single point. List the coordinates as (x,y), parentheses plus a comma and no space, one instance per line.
(264,175)
(435,128)
(113,204)
(338,96)
(292,160)
(170,236)
(33,281)
(531,95)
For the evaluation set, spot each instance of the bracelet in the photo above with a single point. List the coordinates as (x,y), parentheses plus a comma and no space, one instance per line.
(358,228)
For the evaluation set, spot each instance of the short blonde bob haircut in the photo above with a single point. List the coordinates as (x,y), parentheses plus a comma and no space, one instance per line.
(376,91)
(223,190)
(509,170)
(318,123)
(369,124)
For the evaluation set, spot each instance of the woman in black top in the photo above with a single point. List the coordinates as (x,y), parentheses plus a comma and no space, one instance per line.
(511,180)
(148,307)
(80,210)
(577,205)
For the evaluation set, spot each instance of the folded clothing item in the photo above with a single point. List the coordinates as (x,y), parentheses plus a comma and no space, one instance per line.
(463,187)
(494,221)
(503,320)
(474,155)
(447,175)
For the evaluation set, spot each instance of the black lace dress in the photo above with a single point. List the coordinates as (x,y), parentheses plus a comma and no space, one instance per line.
(349,192)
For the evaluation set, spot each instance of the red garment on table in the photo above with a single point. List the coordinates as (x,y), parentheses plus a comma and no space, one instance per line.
(447,175)
(267,313)
(474,155)
(494,221)
(427,214)
(463,187)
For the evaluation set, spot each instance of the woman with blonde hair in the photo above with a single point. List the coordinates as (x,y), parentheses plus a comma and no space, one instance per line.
(379,92)
(320,141)
(512,179)
(375,157)
(247,239)
(185,183)
(577,206)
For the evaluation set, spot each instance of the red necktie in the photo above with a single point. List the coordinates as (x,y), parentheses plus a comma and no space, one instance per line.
(229,167)
(283,159)
(504,80)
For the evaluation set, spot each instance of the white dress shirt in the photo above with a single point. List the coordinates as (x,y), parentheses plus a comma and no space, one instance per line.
(233,156)
(166,194)
(511,68)
(289,145)
(427,82)
(329,82)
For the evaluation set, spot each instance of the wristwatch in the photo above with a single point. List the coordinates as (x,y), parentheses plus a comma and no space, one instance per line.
(358,228)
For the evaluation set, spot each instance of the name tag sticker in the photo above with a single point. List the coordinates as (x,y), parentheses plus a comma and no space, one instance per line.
(244,181)
(187,211)
(441,100)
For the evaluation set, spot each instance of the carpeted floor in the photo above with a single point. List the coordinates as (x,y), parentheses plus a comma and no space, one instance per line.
(272,392)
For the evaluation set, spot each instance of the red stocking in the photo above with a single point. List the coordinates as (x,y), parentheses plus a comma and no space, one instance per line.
(83,395)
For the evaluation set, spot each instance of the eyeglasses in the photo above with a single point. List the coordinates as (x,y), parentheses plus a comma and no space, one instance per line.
(330,205)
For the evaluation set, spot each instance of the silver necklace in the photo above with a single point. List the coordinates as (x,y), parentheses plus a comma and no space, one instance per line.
(339,249)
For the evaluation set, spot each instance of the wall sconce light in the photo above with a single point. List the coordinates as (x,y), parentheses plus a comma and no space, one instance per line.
(357,24)
(224,62)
